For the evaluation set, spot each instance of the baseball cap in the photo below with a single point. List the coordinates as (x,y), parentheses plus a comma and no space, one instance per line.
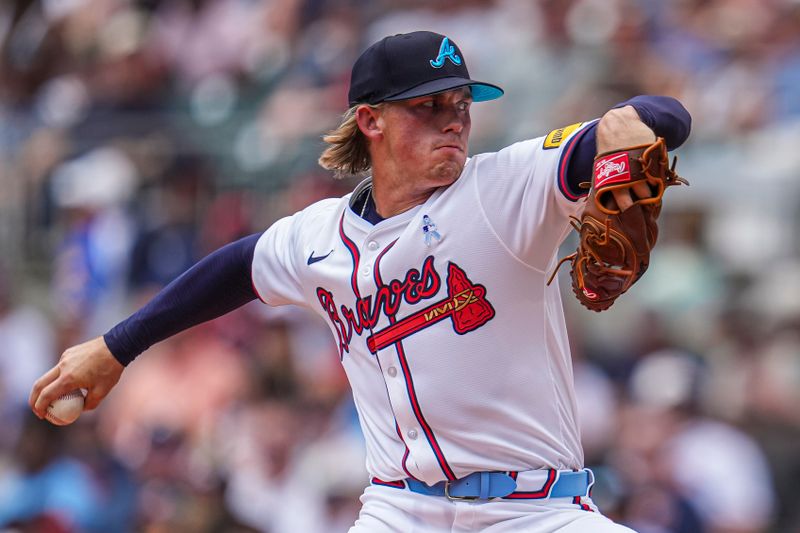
(408,65)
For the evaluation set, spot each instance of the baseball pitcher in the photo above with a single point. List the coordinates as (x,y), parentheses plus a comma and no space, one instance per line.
(434,276)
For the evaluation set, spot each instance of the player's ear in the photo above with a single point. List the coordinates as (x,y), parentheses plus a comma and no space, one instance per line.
(369,121)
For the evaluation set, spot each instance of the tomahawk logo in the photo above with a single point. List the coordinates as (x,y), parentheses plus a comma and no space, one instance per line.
(464,304)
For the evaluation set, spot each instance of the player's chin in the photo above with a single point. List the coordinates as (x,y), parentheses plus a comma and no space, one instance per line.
(447,172)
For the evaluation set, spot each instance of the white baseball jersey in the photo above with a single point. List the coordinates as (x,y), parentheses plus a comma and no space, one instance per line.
(454,345)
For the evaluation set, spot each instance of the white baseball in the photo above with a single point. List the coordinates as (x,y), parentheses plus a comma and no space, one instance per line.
(65,409)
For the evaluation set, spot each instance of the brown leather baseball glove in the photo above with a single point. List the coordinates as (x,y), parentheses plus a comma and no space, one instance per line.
(614,248)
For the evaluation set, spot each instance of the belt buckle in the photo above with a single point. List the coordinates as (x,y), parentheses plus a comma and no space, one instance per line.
(457,498)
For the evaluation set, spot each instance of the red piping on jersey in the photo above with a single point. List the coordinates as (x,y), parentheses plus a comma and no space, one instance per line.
(379,283)
(377,271)
(406,452)
(533,495)
(255,290)
(563,165)
(412,395)
(577,501)
(253,280)
(395,484)
(356,258)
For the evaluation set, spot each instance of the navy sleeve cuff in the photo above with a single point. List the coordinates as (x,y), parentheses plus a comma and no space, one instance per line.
(579,161)
(665,115)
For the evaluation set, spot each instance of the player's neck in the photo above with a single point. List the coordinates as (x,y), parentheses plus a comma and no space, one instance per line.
(393,197)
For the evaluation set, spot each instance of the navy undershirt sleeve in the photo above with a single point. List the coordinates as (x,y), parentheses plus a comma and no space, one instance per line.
(665,115)
(216,285)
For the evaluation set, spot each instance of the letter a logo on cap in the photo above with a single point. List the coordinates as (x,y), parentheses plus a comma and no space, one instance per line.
(446,51)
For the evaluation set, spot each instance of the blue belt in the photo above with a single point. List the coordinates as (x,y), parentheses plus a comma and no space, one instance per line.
(486,485)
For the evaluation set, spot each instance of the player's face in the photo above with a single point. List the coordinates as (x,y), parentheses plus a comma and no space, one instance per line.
(427,137)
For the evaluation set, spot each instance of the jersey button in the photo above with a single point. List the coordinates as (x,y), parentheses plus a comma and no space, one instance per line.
(372,245)
(392,371)
(412,434)
(365,271)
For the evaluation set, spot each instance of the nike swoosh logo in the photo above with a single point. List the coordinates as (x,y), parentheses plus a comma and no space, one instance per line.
(312,259)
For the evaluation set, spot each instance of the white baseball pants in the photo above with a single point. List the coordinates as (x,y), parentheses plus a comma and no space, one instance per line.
(387,509)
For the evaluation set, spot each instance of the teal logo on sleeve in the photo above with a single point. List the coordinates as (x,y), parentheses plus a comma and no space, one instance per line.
(446,51)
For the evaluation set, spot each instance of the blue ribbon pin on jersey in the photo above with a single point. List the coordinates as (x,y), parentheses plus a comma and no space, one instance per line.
(429,230)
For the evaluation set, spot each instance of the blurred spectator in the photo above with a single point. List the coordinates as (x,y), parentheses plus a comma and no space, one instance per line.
(27,349)
(91,260)
(88,492)
(182,389)
(264,489)
(703,461)
(167,241)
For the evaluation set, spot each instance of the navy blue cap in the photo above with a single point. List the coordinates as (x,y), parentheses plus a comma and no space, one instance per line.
(409,65)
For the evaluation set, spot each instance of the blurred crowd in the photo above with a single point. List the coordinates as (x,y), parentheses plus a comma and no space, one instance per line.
(136,136)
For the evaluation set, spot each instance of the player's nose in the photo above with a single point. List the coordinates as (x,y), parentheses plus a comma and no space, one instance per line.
(455,121)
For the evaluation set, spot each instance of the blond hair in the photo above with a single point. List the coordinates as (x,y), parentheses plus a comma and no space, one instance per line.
(348,153)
